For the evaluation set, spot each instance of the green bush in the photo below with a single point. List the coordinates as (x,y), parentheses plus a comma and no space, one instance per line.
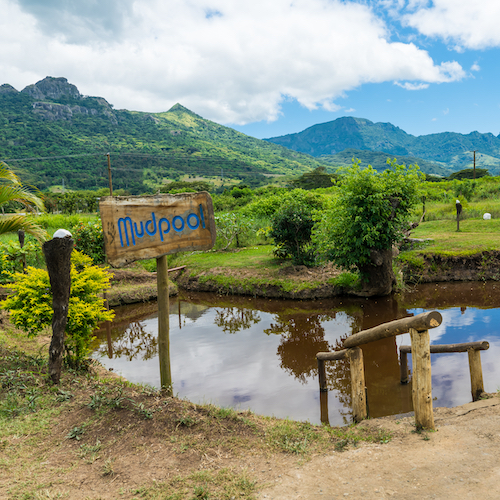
(291,230)
(232,227)
(89,239)
(12,256)
(30,307)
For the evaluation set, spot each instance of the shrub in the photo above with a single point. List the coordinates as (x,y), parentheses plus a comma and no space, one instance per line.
(12,255)
(291,230)
(89,240)
(231,227)
(31,310)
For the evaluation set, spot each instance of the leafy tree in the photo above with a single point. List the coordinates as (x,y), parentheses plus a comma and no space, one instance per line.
(11,190)
(231,226)
(186,187)
(318,178)
(368,216)
(468,173)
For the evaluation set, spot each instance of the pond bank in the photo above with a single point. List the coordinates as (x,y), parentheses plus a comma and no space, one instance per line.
(436,268)
(298,282)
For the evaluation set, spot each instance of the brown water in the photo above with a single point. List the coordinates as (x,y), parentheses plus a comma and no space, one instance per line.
(261,354)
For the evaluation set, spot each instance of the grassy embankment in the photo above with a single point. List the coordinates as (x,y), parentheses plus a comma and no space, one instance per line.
(95,437)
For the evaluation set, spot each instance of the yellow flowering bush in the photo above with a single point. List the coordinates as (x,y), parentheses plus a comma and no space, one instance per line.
(30,307)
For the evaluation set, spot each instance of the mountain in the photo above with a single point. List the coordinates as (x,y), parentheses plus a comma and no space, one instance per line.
(451,151)
(51,134)
(378,161)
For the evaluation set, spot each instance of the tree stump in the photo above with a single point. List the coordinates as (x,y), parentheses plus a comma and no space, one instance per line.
(57,254)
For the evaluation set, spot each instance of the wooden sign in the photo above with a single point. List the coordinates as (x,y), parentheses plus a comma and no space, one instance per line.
(146,227)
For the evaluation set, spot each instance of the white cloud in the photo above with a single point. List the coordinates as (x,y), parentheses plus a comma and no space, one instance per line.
(233,62)
(462,23)
(412,86)
(475,67)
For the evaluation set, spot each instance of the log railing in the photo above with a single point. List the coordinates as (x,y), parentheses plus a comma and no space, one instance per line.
(472,348)
(418,327)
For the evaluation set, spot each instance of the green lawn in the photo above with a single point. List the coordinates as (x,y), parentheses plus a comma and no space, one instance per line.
(257,257)
(476,235)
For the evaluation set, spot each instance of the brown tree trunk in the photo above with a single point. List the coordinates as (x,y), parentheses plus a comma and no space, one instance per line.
(57,254)
(378,276)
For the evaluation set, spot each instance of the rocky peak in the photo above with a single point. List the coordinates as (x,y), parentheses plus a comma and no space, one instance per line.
(7,89)
(52,88)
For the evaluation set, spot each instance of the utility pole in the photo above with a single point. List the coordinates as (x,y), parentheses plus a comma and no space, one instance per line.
(474,165)
(109,175)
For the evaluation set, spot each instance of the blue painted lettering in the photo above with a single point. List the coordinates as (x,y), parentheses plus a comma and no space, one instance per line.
(177,228)
(160,222)
(141,234)
(202,217)
(151,232)
(196,224)
(123,221)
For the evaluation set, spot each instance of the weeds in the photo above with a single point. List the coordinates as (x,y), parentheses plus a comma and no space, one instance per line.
(107,468)
(76,432)
(90,452)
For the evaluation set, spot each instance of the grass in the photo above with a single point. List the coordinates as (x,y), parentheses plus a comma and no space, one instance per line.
(246,258)
(476,235)
(103,428)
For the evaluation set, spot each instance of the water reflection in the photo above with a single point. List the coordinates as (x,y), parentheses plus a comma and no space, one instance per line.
(261,354)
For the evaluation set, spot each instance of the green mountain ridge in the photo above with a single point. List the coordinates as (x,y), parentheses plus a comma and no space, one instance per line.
(50,134)
(450,150)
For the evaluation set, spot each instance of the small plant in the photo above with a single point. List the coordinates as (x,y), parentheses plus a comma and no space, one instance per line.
(89,239)
(143,411)
(90,452)
(291,231)
(341,445)
(62,396)
(201,493)
(107,468)
(221,412)
(185,421)
(76,433)
(96,401)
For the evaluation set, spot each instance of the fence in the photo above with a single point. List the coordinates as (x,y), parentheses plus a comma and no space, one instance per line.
(418,327)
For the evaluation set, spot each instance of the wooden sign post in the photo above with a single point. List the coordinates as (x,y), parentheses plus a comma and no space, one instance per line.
(57,253)
(147,227)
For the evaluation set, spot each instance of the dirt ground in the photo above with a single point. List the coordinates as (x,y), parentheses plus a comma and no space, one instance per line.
(461,459)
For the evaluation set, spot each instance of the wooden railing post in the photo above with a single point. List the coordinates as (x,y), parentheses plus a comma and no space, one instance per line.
(323,404)
(403,366)
(422,381)
(476,373)
(322,376)
(359,411)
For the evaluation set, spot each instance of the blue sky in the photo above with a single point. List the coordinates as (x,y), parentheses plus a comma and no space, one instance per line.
(269,68)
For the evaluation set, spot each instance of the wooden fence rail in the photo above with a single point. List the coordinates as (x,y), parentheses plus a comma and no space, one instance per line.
(472,348)
(418,327)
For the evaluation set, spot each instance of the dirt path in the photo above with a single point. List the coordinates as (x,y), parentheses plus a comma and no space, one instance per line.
(460,460)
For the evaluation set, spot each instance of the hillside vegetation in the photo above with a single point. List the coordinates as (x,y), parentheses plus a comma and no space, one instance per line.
(52,135)
(448,149)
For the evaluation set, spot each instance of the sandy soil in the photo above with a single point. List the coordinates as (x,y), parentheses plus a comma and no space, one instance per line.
(461,459)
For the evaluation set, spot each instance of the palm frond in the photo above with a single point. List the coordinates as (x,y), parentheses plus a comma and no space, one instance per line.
(12,224)
(7,174)
(16,192)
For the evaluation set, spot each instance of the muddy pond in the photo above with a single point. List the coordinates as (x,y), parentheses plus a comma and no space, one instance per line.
(260,354)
